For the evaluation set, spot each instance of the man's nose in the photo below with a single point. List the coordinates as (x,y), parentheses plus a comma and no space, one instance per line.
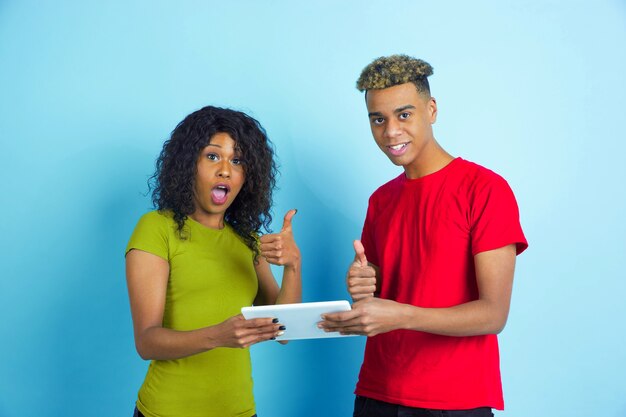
(392,129)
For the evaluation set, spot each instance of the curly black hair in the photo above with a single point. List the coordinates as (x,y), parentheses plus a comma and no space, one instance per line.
(173,181)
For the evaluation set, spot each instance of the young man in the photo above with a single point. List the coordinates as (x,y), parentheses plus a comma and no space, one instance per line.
(433,276)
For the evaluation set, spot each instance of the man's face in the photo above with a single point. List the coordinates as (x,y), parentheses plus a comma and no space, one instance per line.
(401,121)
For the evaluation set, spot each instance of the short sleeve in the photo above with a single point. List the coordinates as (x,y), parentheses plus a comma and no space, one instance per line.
(367,236)
(151,235)
(494,217)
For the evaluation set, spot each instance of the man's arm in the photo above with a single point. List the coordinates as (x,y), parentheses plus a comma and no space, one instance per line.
(486,315)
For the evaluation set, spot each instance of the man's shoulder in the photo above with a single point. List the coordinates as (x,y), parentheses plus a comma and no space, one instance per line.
(389,186)
(480,185)
(476,174)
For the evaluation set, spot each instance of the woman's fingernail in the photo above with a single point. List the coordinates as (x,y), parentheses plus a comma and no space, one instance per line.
(272,338)
(275,320)
(282,328)
(280,333)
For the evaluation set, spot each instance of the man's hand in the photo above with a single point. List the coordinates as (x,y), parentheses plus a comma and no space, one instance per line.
(361,278)
(280,248)
(368,317)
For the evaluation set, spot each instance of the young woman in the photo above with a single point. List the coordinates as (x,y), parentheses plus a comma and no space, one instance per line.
(196,260)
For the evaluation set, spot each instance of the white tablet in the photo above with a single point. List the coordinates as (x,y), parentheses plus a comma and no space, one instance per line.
(300,319)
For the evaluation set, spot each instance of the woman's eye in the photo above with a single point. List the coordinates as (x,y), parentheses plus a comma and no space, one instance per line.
(212,157)
(237,161)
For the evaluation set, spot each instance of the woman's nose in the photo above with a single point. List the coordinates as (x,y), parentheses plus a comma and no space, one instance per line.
(224,170)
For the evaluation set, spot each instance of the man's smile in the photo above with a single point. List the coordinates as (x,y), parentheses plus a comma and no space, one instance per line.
(398,149)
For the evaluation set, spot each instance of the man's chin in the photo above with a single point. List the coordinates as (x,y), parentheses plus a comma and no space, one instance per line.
(396,161)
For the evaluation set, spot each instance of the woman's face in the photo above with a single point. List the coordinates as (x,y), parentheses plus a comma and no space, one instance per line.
(219,178)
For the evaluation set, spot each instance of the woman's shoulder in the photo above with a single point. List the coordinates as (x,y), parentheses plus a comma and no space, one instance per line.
(161,220)
(153,233)
(158,216)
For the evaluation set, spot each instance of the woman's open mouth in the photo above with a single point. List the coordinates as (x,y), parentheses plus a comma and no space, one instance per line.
(219,194)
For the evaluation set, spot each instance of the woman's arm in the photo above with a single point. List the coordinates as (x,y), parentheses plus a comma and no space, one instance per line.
(279,249)
(269,292)
(147,276)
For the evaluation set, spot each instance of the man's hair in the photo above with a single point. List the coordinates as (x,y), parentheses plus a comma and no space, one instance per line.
(388,71)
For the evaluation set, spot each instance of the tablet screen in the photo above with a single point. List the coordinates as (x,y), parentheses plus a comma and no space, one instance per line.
(300,319)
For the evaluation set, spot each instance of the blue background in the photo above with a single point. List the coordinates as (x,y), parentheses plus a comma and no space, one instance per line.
(89,91)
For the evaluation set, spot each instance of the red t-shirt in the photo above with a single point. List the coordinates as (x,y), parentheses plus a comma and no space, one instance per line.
(423,235)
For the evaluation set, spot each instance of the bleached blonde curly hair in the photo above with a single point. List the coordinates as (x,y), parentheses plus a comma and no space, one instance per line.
(387,71)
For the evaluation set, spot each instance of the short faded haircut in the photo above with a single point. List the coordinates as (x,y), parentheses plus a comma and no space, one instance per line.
(388,71)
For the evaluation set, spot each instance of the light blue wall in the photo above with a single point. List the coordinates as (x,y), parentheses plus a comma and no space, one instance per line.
(89,90)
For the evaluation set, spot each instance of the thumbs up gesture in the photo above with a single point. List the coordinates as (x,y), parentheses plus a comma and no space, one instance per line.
(361,278)
(280,248)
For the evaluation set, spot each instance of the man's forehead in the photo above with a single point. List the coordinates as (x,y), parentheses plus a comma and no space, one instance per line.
(393,98)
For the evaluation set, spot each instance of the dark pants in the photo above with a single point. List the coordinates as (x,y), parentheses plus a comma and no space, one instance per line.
(368,407)
(137,413)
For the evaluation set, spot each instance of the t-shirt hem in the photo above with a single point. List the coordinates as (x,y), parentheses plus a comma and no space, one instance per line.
(520,246)
(147,413)
(148,249)
(143,410)
(433,405)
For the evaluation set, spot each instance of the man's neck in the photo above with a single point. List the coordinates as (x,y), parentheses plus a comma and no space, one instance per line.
(433,159)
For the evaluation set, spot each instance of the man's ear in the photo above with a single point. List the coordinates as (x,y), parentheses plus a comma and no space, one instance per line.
(432,110)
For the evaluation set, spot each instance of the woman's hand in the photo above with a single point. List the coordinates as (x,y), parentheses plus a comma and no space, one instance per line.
(237,332)
(281,248)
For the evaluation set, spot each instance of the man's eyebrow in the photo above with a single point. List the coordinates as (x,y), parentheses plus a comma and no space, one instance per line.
(398,110)
(403,108)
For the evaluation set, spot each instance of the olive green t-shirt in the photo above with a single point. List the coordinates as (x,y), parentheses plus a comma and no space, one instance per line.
(211,277)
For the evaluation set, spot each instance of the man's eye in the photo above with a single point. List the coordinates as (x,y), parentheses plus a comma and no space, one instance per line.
(378,120)
(405,115)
